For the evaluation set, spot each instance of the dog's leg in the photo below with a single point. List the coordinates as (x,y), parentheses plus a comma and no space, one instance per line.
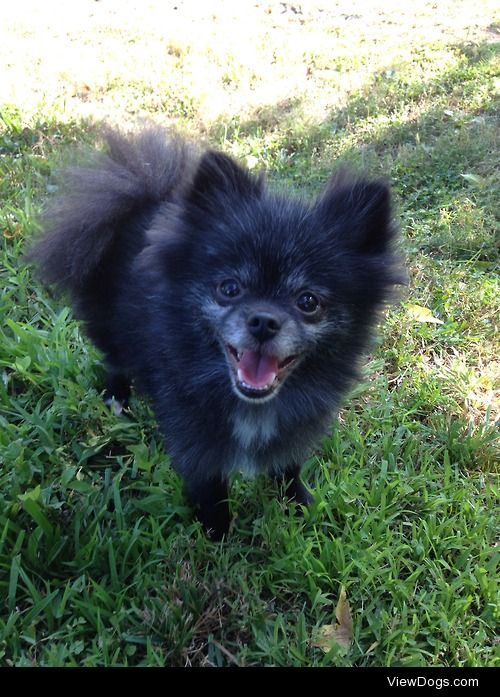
(293,487)
(117,392)
(209,500)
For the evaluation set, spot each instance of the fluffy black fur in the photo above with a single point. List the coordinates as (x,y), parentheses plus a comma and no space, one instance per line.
(240,313)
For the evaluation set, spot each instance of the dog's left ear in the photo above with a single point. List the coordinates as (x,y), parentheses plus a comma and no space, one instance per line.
(218,177)
(359,212)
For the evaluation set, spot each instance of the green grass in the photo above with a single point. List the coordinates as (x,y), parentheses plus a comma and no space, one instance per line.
(100,560)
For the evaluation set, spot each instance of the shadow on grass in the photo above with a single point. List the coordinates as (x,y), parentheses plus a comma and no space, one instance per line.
(436,140)
(27,155)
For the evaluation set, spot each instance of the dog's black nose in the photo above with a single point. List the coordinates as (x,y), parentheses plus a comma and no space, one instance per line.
(263,325)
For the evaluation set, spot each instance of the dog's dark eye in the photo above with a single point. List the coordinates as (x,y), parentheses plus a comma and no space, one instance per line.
(229,288)
(308,303)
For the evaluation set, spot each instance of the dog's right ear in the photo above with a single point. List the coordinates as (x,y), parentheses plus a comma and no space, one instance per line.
(219,177)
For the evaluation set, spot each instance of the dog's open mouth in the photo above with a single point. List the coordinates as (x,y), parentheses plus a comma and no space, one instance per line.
(257,375)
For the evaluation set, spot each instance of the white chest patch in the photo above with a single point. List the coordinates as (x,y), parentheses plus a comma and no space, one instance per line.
(254,429)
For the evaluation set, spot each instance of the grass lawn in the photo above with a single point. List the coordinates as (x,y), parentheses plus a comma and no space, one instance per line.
(100,560)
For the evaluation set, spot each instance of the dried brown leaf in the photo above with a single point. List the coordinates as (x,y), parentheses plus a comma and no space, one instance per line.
(340,633)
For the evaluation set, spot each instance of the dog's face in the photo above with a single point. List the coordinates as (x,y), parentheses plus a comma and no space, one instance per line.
(276,282)
(264,336)
(268,299)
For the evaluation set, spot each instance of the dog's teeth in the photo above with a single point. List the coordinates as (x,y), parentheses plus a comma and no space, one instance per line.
(251,387)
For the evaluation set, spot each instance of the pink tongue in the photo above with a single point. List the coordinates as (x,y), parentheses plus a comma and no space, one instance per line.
(258,370)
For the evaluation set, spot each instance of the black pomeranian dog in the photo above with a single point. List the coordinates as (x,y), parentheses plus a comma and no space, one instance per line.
(242,314)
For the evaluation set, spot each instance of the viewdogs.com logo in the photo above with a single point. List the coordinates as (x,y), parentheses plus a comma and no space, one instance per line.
(437,683)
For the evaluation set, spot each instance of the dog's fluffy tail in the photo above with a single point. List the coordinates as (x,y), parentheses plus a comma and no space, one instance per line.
(97,199)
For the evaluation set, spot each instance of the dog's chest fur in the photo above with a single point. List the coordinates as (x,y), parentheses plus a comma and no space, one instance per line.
(263,444)
(253,429)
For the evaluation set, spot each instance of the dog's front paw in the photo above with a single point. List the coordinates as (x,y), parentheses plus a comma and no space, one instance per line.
(293,488)
(297,493)
(209,500)
(215,521)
